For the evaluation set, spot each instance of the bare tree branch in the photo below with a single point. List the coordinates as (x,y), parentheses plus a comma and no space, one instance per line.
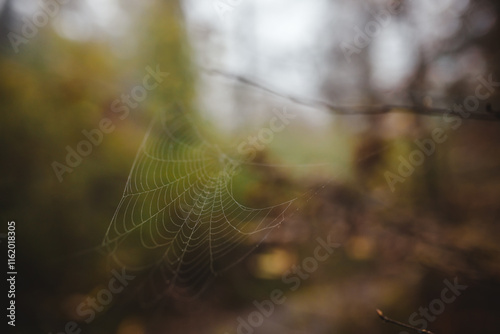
(488,115)
(389,320)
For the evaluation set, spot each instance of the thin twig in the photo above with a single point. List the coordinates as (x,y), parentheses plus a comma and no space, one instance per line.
(386,319)
(488,115)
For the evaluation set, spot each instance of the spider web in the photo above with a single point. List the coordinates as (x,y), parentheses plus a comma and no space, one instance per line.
(178,215)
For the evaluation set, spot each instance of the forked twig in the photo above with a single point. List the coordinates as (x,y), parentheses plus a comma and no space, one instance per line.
(386,319)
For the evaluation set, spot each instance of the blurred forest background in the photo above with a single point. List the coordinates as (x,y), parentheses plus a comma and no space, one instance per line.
(231,64)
